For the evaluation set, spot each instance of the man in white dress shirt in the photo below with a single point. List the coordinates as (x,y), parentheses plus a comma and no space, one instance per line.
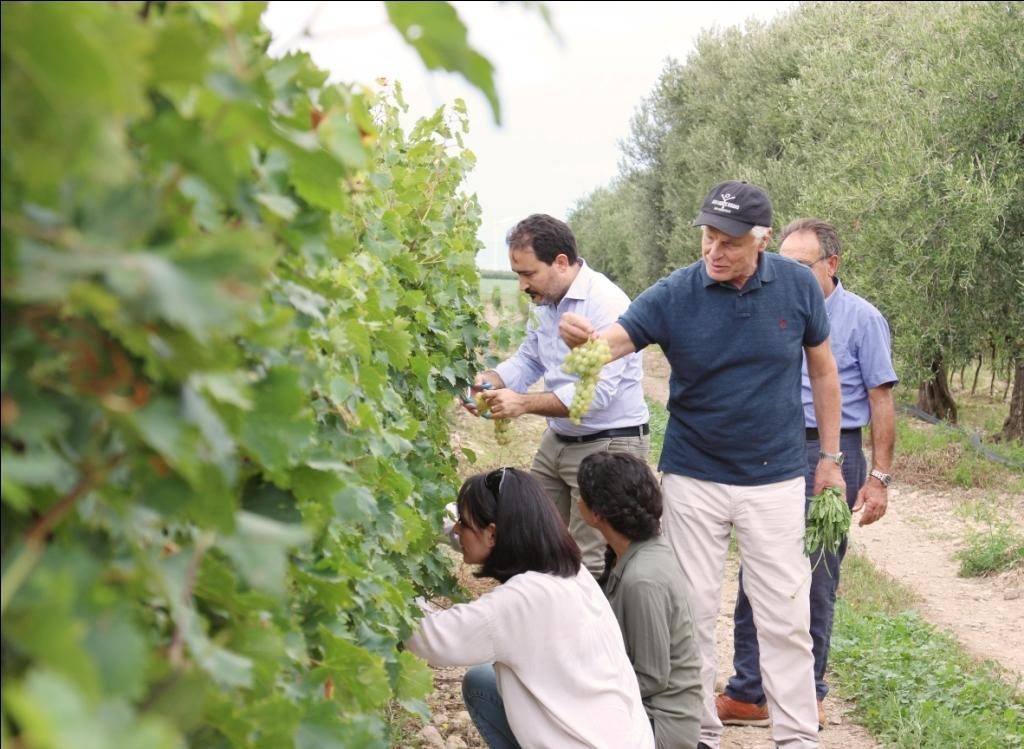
(542,251)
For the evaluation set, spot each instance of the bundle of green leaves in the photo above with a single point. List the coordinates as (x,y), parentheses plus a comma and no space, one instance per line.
(828,523)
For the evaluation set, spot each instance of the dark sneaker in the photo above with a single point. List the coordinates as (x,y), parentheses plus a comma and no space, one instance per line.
(735,713)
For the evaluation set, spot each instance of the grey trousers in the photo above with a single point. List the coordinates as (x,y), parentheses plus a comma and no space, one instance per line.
(555,466)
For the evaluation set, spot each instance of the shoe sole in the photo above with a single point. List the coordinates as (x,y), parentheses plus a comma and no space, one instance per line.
(741,722)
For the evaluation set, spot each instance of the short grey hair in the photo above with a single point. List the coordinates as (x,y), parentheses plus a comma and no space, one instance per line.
(760,232)
(828,239)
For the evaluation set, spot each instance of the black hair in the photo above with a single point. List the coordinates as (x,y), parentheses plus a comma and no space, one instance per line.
(623,490)
(530,535)
(546,235)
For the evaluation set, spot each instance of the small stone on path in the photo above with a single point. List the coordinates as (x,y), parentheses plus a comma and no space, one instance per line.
(432,738)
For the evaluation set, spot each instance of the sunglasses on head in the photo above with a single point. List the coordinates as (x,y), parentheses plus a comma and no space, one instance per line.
(493,481)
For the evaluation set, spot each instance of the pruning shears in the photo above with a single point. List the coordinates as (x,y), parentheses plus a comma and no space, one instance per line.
(467,400)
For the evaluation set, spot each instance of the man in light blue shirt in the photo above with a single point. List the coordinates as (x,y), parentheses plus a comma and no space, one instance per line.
(862,348)
(542,252)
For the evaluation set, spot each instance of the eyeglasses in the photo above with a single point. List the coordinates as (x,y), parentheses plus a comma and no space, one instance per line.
(811,265)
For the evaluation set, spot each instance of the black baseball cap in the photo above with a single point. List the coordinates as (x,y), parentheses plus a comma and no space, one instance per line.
(735,208)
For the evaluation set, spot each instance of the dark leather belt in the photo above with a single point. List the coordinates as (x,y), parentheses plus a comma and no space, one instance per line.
(812,433)
(638,431)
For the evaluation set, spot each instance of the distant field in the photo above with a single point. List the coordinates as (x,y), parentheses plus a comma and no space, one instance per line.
(509,289)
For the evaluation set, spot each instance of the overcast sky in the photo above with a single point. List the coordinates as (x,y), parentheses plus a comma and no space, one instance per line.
(566,105)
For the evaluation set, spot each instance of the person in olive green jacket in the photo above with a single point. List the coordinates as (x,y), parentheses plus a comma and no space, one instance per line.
(620,497)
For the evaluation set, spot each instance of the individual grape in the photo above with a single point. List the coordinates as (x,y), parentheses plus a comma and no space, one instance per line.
(585,362)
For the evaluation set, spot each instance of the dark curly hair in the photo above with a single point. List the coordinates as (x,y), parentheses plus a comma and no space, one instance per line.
(530,535)
(546,235)
(623,490)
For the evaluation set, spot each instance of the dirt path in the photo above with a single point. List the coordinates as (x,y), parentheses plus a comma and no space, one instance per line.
(915,544)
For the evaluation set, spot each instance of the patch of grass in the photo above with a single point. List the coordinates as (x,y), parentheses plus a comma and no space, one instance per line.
(508,289)
(913,686)
(994,550)
(979,512)
(914,437)
(659,423)
(864,589)
(1012,450)
(929,454)
(969,471)
(980,413)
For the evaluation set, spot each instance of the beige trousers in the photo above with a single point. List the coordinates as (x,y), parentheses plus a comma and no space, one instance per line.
(769,523)
(555,466)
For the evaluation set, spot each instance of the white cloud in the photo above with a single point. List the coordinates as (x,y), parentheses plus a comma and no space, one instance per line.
(566,106)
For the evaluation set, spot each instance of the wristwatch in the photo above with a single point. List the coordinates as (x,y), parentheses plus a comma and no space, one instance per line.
(884,478)
(836,458)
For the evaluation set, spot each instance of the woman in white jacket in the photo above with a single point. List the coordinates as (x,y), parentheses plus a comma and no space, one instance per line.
(560,676)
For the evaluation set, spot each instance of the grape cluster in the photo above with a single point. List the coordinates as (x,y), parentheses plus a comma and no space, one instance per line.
(502,433)
(585,361)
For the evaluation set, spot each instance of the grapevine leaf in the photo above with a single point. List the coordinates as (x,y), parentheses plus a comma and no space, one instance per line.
(435,31)
(278,426)
(228,669)
(52,713)
(415,679)
(359,677)
(259,548)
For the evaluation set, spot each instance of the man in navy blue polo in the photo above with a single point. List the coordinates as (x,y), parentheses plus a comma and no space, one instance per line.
(735,327)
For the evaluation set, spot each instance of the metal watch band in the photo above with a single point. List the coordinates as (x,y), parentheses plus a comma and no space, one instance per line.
(884,478)
(836,458)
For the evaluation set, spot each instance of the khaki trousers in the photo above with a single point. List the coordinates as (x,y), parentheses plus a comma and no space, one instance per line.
(555,466)
(769,523)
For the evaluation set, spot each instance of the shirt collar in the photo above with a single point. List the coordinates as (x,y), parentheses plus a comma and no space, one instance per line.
(764,273)
(580,286)
(620,566)
(833,299)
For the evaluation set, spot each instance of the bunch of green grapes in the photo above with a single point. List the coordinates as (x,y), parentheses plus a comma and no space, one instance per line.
(502,435)
(585,362)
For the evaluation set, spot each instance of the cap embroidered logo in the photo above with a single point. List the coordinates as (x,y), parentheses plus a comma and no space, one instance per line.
(725,205)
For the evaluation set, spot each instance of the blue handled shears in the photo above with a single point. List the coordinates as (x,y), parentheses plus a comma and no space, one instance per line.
(467,400)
